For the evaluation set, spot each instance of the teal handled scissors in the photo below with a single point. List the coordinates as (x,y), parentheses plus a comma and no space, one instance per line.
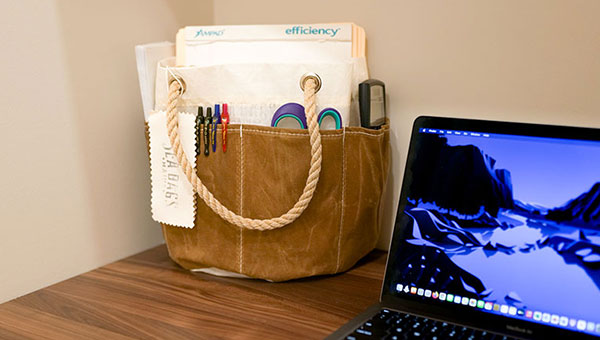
(291,115)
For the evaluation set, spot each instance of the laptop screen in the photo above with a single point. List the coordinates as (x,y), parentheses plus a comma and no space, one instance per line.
(501,222)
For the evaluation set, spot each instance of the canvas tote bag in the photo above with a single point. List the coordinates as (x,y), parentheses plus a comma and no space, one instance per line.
(281,203)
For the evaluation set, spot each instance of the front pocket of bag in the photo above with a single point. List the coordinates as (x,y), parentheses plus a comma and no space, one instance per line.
(275,168)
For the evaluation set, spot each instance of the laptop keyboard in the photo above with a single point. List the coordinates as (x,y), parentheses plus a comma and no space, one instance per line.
(388,324)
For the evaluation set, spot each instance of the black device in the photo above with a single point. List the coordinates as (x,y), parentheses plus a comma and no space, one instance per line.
(497,235)
(371,97)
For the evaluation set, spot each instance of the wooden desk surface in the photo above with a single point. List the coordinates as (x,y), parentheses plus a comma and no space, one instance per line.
(148,296)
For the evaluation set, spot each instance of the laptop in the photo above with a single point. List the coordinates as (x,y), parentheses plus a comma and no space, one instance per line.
(497,236)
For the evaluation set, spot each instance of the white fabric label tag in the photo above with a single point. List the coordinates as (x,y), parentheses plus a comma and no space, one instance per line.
(172,194)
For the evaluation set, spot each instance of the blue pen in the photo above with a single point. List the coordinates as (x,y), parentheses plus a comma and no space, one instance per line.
(216,120)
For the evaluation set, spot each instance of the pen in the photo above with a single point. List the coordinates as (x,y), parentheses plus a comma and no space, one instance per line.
(224,122)
(216,120)
(199,126)
(207,123)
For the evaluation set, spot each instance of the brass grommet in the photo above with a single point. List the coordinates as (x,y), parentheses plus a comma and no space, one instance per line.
(175,77)
(311,75)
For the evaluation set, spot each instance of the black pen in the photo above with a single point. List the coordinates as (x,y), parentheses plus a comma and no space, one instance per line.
(207,123)
(199,125)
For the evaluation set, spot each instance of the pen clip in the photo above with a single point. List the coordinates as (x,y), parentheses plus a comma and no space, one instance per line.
(199,125)
(225,122)
(207,123)
(216,120)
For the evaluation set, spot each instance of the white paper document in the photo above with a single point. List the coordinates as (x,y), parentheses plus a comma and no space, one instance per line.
(217,45)
(147,57)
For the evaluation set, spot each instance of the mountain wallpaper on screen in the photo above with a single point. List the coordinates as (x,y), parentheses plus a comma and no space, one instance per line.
(459,178)
(584,209)
(465,233)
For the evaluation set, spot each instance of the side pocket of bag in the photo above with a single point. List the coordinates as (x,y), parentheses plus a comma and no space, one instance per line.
(366,159)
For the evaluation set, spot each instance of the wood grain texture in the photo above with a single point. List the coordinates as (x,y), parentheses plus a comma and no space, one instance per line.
(147,296)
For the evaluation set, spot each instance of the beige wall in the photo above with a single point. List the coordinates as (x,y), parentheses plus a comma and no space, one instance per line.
(75,176)
(530,61)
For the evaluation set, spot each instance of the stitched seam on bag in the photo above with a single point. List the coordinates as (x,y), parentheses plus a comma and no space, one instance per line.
(363,133)
(305,135)
(302,134)
(337,267)
(260,132)
(241,256)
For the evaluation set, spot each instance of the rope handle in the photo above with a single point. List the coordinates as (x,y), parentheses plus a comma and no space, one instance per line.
(310,83)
